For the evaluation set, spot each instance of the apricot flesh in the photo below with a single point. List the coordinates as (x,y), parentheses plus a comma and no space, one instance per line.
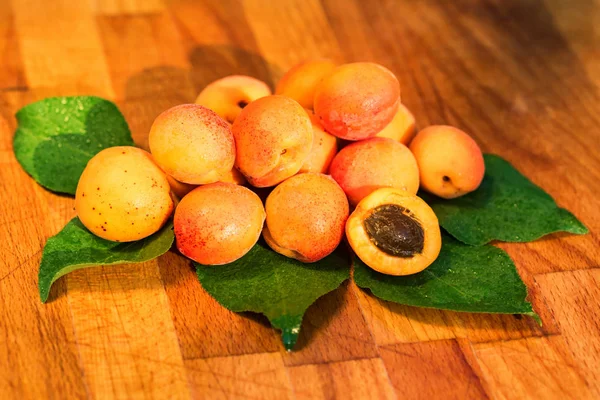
(402,128)
(122,195)
(192,144)
(362,167)
(218,223)
(228,96)
(357,100)
(300,81)
(306,215)
(394,232)
(324,148)
(450,161)
(273,138)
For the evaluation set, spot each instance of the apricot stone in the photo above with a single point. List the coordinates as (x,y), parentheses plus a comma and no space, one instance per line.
(362,167)
(300,81)
(402,128)
(218,223)
(306,215)
(228,96)
(357,100)
(192,144)
(394,232)
(122,195)
(324,148)
(450,161)
(273,138)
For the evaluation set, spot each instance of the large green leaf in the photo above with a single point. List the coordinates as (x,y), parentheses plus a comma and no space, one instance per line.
(507,207)
(279,287)
(463,278)
(75,247)
(56,137)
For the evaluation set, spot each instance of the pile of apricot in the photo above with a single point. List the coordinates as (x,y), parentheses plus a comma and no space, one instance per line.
(330,141)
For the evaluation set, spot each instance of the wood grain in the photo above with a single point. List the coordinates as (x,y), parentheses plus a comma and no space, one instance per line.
(521,76)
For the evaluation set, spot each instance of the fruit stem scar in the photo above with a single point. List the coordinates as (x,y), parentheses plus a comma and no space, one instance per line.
(446,178)
(394,230)
(242,103)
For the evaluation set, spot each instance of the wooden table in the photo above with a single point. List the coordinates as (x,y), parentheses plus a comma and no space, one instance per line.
(521,76)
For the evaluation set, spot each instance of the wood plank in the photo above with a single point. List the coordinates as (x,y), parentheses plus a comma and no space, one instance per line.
(11,73)
(112,7)
(72,58)
(431,370)
(573,296)
(333,329)
(356,379)
(254,376)
(532,368)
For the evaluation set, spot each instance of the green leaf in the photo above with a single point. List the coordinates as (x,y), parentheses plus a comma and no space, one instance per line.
(507,207)
(479,279)
(75,247)
(281,288)
(56,137)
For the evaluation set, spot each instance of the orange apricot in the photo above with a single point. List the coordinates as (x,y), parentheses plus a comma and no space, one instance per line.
(179,189)
(394,232)
(450,161)
(300,81)
(306,215)
(122,195)
(362,167)
(324,148)
(218,223)
(233,176)
(402,128)
(273,137)
(192,144)
(357,100)
(228,96)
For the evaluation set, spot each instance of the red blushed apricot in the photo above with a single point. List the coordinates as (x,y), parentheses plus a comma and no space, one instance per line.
(218,223)
(228,96)
(362,167)
(357,100)
(192,144)
(306,215)
(324,148)
(450,161)
(273,137)
(300,81)
(402,128)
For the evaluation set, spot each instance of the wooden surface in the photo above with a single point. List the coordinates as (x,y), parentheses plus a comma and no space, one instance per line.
(522,76)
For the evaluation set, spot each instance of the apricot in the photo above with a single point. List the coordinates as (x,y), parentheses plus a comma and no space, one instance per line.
(450,161)
(306,215)
(192,144)
(122,195)
(362,167)
(402,128)
(273,137)
(358,100)
(179,189)
(218,223)
(233,176)
(394,232)
(300,81)
(228,96)
(324,148)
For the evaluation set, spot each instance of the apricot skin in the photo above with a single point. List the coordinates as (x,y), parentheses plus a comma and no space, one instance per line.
(192,144)
(300,81)
(362,167)
(380,261)
(273,137)
(306,215)
(450,161)
(324,148)
(218,223)
(122,195)
(228,96)
(402,128)
(357,100)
